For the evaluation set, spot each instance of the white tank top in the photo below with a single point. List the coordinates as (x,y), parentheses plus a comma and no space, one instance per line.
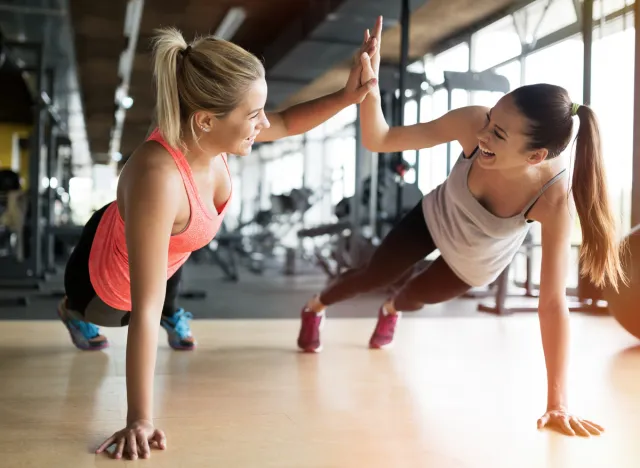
(476,244)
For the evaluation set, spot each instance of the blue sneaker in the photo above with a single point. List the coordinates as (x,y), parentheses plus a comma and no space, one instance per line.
(84,335)
(178,330)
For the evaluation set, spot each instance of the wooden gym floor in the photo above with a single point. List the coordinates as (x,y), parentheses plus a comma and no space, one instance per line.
(453,393)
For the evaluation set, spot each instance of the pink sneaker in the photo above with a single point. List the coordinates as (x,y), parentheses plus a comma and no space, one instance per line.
(383,334)
(309,337)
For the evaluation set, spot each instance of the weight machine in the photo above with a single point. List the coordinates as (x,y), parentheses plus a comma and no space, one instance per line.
(255,242)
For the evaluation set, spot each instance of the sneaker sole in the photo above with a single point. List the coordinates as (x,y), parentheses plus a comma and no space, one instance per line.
(103,345)
(319,348)
(177,347)
(182,348)
(386,346)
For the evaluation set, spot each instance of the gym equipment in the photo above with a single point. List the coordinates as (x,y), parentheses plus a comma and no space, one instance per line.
(59,169)
(624,305)
(331,247)
(12,219)
(12,214)
(25,268)
(338,246)
(387,190)
(223,251)
(262,237)
(254,243)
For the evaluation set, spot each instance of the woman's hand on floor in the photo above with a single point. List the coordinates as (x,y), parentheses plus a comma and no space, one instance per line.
(135,440)
(568,424)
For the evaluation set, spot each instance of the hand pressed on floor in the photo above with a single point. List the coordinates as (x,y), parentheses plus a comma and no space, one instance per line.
(135,440)
(562,421)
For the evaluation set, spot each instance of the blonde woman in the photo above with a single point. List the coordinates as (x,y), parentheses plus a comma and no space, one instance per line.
(172,196)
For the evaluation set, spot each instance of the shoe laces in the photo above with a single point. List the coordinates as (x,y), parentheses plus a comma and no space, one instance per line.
(180,321)
(88,330)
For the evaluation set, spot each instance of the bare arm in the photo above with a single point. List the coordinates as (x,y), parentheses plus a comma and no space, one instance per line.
(148,200)
(151,207)
(552,211)
(457,125)
(552,308)
(303,117)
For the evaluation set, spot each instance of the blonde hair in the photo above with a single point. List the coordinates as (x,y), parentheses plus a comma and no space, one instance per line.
(209,74)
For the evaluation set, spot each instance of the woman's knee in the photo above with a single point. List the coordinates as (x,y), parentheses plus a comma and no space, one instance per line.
(415,295)
(407,301)
(436,284)
(372,277)
(349,284)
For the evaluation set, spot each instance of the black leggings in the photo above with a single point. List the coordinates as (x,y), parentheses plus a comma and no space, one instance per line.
(77,283)
(408,243)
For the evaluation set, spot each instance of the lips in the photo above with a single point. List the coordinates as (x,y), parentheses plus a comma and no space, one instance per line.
(486,152)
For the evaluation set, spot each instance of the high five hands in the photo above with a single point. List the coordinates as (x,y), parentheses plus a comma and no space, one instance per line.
(363,77)
(371,61)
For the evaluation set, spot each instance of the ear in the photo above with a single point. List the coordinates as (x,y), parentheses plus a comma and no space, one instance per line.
(203,121)
(537,156)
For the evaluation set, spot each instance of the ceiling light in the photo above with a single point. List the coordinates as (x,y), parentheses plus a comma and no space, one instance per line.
(231,22)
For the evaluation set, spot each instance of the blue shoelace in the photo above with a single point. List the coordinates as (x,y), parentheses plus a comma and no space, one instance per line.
(180,322)
(88,330)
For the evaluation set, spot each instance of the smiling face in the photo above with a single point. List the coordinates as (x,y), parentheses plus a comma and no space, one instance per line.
(503,140)
(236,132)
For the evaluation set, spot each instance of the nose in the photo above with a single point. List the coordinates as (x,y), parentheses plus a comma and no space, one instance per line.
(265,122)
(482,135)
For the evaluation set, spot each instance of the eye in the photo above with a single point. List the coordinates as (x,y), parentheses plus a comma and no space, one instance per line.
(495,132)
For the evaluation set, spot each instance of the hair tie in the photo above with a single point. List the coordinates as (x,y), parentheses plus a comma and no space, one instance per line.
(184,52)
(574,109)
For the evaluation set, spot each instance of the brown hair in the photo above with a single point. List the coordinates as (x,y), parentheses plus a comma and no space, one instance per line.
(549,111)
(209,74)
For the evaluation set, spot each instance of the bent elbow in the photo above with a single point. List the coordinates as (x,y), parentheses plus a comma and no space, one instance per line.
(371,147)
(375,145)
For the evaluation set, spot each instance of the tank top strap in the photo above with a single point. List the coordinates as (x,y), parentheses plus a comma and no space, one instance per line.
(471,157)
(549,183)
(181,162)
(474,153)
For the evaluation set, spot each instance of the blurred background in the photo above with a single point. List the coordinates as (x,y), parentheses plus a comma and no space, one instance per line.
(77,98)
